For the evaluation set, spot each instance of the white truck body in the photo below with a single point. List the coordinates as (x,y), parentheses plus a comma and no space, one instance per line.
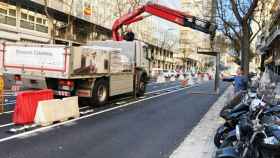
(115,61)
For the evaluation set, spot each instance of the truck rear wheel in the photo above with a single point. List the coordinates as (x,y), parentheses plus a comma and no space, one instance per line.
(100,93)
(141,87)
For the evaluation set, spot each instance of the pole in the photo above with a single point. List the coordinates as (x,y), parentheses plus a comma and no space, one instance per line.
(217,76)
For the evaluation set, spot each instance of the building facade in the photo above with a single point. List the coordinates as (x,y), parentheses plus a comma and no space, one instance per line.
(268,42)
(191,40)
(74,22)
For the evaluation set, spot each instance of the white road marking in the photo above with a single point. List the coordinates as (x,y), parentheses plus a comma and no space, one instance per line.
(162,89)
(84,107)
(155,83)
(10,103)
(86,116)
(9,124)
(7,112)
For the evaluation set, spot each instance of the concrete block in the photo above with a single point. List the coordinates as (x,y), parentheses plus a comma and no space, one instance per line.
(46,110)
(54,110)
(72,106)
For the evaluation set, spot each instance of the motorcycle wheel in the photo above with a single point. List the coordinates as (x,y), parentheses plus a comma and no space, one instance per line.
(228,143)
(217,140)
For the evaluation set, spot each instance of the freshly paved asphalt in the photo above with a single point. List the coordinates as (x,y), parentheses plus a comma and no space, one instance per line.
(147,129)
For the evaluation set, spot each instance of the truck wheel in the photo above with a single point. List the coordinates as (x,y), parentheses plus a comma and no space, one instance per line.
(100,93)
(141,87)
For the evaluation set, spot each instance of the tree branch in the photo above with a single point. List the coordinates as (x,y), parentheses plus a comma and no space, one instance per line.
(258,31)
(236,12)
(221,15)
(250,11)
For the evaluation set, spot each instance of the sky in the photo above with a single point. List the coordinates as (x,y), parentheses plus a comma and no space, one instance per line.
(168,29)
(172,3)
(175,4)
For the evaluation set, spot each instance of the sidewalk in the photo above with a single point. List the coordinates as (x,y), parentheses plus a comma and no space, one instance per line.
(199,143)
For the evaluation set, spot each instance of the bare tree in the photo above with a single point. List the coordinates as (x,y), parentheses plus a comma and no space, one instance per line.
(236,19)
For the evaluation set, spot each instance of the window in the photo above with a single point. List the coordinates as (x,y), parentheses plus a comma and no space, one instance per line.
(3,11)
(26,20)
(12,12)
(33,21)
(41,25)
(39,20)
(8,15)
(23,16)
(31,18)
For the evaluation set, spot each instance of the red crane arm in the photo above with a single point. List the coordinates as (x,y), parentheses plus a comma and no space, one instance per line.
(163,12)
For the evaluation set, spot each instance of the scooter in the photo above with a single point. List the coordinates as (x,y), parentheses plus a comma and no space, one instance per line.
(256,138)
(231,117)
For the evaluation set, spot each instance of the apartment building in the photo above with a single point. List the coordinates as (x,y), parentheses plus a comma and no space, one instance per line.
(268,42)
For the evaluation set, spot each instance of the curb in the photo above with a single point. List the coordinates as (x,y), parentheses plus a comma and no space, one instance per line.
(199,143)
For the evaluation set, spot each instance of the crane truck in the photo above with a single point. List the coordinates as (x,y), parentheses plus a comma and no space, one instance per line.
(97,70)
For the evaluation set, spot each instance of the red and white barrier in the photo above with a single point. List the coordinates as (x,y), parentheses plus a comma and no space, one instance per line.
(26,105)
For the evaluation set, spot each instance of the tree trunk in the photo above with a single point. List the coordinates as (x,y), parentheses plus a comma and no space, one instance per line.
(245,49)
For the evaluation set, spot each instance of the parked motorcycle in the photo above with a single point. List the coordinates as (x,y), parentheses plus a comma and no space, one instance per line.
(256,136)
(231,117)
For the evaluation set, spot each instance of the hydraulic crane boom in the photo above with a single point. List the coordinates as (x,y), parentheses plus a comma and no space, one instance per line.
(166,13)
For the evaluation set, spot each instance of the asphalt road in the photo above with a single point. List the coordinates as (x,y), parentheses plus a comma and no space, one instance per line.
(151,128)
